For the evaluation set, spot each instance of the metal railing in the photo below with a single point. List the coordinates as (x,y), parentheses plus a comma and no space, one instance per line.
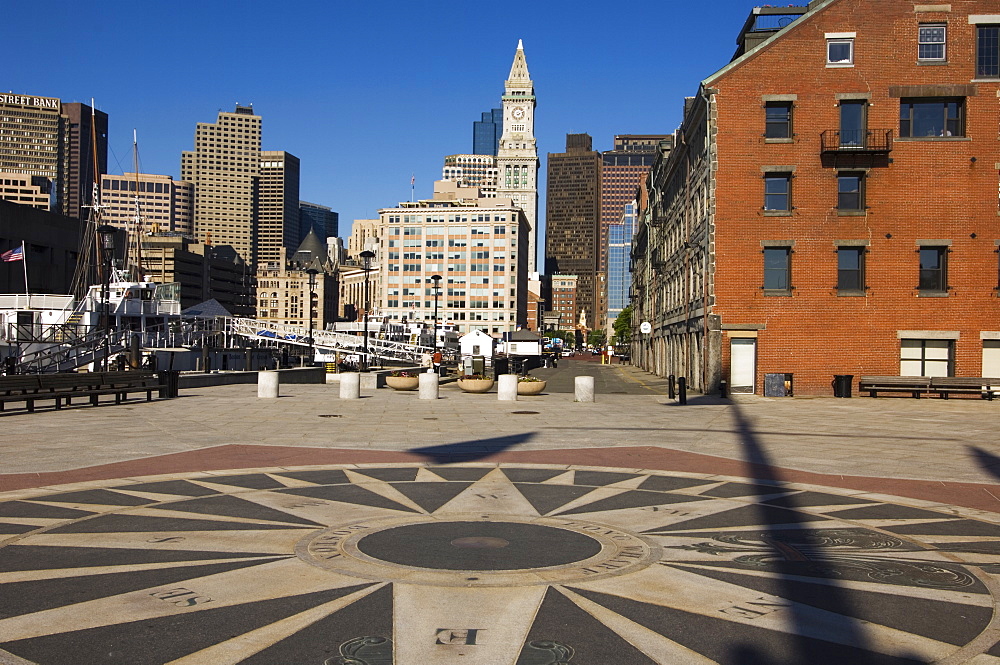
(856,140)
(325,340)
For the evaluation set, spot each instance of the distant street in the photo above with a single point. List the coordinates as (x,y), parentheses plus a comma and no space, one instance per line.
(608,379)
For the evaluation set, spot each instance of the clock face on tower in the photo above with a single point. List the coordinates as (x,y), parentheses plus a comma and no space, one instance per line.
(518,113)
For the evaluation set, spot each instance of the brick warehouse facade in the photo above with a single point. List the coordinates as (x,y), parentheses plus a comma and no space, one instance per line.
(831,206)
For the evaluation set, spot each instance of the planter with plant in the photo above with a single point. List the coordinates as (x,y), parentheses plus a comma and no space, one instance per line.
(475,383)
(402,379)
(529,385)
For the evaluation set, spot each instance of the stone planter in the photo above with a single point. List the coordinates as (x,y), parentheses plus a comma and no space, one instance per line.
(530,387)
(403,382)
(476,385)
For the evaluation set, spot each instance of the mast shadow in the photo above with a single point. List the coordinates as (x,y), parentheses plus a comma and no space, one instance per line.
(796,551)
(470,451)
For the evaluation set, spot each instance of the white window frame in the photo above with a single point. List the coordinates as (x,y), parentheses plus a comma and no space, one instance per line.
(833,38)
(943,43)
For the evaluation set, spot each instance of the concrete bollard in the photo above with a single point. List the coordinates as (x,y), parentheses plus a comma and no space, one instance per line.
(584,388)
(350,385)
(507,388)
(429,385)
(267,384)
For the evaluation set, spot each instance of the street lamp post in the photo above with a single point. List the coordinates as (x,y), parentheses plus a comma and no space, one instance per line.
(367,255)
(437,290)
(312,272)
(106,234)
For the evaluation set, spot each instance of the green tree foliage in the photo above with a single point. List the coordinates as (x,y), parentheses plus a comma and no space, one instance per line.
(596,338)
(623,327)
(567,336)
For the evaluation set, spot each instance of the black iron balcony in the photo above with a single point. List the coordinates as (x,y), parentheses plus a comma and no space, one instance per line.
(844,141)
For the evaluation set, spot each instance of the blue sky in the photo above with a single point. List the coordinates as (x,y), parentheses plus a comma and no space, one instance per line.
(365,93)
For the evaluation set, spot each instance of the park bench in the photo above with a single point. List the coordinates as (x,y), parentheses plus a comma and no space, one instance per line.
(64,388)
(914,385)
(976,385)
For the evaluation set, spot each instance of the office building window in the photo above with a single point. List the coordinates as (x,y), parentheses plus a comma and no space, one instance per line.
(778,270)
(851,270)
(778,120)
(840,52)
(988,51)
(931,41)
(850,191)
(922,117)
(933,270)
(778,192)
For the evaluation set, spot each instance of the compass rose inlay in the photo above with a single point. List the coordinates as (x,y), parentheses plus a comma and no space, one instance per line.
(499,564)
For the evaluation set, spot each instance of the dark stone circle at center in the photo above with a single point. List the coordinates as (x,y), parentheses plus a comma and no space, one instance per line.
(434,546)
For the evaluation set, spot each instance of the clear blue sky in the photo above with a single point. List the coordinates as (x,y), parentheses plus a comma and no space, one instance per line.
(364,93)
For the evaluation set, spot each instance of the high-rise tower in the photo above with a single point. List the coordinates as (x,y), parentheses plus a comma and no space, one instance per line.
(573,223)
(50,148)
(225,169)
(517,158)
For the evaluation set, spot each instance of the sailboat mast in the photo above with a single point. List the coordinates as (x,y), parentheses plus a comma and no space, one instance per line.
(89,267)
(135,240)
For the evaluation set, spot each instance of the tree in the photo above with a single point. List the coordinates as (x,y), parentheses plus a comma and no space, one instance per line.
(623,327)
(567,336)
(596,338)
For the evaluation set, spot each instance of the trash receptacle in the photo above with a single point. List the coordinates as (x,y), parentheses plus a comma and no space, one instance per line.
(842,385)
(169,380)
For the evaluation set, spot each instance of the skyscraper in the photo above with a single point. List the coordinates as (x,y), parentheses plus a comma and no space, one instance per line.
(42,138)
(517,156)
(165,204)
(318,218)
(619,277)
(225,169)
(486,133)
(573,223)
(277,206)
(86,150)
(622,170)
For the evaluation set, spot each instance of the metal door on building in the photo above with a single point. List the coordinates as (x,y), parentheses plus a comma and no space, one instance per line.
(742,364)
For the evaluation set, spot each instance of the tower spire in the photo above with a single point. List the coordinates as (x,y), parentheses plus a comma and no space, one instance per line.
(519,77)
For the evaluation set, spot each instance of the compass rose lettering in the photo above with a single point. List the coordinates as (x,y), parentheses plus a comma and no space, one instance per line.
(461,636)
(327,546)
(181,597)
(755,609)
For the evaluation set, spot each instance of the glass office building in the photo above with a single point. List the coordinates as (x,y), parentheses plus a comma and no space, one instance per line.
(486,133)
(619,248)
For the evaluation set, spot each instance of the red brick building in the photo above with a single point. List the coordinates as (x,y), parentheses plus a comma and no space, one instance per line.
(831,205)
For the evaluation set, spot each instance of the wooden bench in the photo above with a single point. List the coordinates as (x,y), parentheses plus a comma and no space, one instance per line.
(915,385)
(977,385)
(60,388)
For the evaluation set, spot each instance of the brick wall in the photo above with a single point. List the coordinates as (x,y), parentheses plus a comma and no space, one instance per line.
(934,188)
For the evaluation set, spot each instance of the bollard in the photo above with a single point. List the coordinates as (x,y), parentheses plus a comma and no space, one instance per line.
(584,388)
(682,393)
(350,385)
(267,384)
(723,389)
(429,384)
(507,388)
(670,386)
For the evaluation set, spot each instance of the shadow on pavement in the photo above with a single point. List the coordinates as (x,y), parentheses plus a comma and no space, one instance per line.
(987,460)
(470,451)
(798,551)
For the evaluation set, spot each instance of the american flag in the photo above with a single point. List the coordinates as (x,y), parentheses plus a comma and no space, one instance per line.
(16,254)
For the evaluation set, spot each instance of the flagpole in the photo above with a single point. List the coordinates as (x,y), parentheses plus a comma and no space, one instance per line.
(24,262)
